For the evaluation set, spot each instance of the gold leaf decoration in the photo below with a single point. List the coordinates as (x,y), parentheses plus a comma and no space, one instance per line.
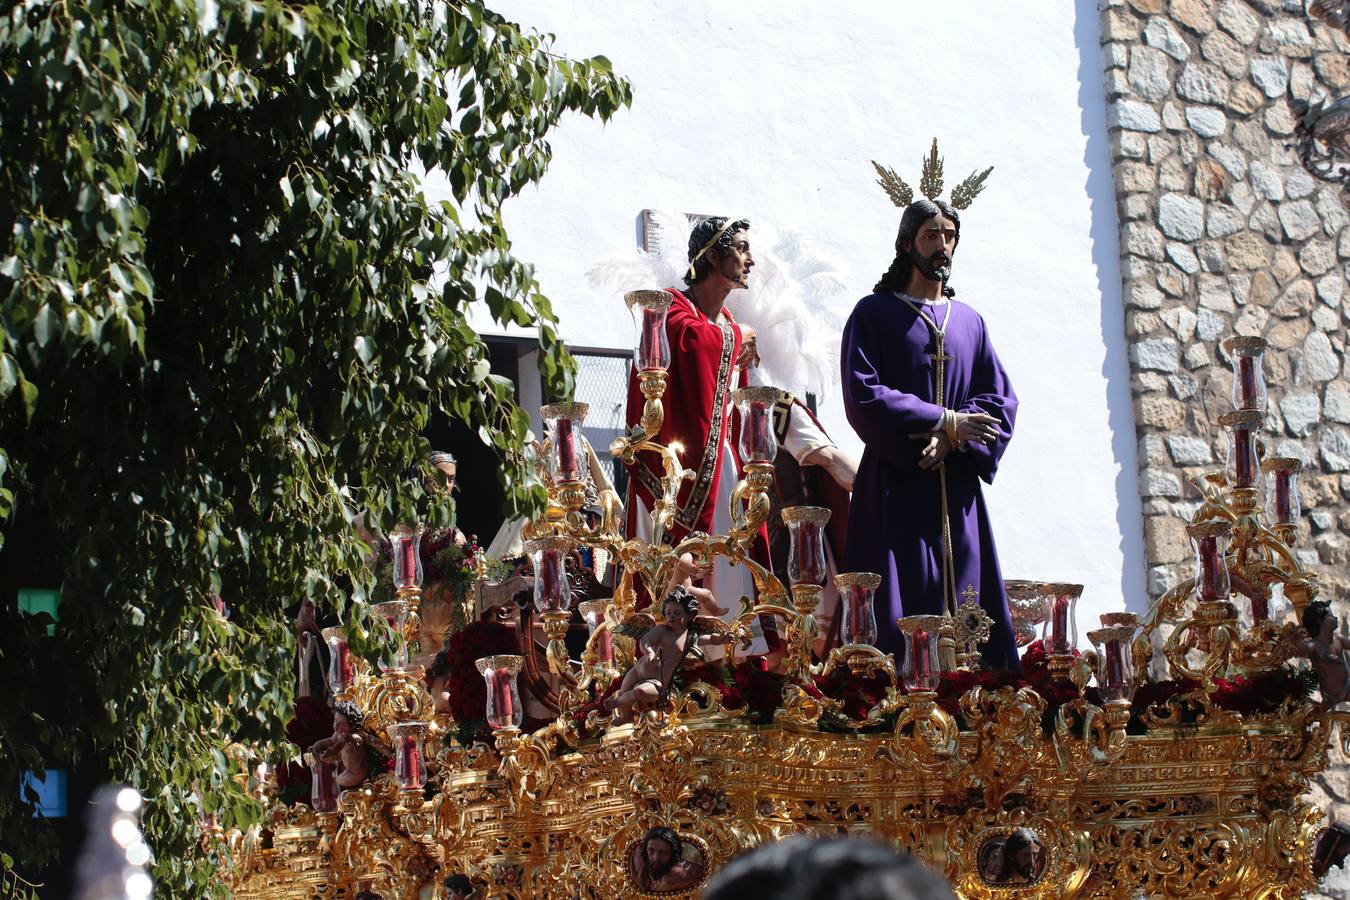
(930,183)
(901,194)
(966,192)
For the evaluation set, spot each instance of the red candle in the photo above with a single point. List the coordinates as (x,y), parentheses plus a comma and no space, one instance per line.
(550,579)
(565,443)
(1059,630)
(812,554)
(409,762)
(503,713)
(759,424)
(322,795)
(1242,456)
(923,665)
(1247,374)
(342,666)
(857,611)
(649,345)
(1115,664)
(408,552)
(1213,573)
(604,647)
(1284,509)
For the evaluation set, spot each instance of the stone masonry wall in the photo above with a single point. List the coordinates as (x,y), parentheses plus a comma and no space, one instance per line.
(1223,232)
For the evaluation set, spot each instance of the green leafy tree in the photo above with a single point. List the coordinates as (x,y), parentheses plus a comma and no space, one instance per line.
(228,309)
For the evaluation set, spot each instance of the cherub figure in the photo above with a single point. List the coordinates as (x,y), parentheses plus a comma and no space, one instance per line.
(661,650)
(686,570)
(1327,649)
(356,750)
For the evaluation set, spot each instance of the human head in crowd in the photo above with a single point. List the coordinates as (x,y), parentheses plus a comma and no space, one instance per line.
(808,868)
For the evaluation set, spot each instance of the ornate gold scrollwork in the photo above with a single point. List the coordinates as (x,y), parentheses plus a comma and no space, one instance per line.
(925,737)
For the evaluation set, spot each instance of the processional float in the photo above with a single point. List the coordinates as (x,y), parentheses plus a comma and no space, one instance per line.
(1171,760)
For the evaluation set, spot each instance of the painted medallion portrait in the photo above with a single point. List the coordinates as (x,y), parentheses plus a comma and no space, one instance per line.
(1014,859)
(663,861)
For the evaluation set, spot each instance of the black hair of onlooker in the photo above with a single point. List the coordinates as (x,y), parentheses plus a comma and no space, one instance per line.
(807,868)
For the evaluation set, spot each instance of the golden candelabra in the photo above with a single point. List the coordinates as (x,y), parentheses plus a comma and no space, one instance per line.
(1187,796)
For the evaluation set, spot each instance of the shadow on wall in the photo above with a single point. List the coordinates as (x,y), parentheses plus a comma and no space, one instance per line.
(1105,235)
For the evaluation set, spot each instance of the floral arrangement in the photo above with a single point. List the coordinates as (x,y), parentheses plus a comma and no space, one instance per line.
(468,692)
(444,562)
(751,686)
(1247,695)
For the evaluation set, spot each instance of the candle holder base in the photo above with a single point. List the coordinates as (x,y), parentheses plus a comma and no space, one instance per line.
(1059,664)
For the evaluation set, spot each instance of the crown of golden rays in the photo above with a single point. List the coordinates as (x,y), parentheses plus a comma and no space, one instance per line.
(930,183)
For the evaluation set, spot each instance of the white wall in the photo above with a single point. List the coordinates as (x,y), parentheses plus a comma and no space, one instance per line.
(771,111)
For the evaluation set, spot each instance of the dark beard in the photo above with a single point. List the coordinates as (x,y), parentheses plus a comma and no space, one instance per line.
(656,872)
(937,267)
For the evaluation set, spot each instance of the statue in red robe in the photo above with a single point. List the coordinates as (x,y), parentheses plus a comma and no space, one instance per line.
(710,354)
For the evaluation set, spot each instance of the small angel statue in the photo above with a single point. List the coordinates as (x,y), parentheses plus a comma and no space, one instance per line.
(1327,649)
(662,649)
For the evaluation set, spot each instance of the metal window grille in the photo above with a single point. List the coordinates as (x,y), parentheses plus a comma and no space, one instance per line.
(602,382)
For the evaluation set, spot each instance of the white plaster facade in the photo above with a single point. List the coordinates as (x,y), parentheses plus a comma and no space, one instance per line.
(772,111)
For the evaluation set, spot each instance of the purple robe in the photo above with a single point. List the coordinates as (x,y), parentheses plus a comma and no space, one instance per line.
(895,524)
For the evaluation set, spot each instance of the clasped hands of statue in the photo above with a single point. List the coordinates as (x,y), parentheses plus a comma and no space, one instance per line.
(967,427)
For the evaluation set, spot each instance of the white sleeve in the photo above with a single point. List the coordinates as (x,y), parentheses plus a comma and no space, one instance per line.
(803,436)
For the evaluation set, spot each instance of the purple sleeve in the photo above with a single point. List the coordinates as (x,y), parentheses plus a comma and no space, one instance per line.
(991,393)
(883,416)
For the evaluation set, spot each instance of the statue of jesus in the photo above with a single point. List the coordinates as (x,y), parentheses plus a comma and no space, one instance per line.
(925,391)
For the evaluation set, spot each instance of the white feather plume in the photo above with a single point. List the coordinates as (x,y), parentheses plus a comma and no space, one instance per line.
(788,302)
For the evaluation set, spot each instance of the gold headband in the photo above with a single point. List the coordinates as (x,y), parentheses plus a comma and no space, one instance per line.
(708,246)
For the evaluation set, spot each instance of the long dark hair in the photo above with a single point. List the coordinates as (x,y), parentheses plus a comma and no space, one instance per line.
(662,833)
(702,233)
(918,212)
(1022,837)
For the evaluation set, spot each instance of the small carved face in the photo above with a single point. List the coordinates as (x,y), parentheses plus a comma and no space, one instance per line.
(341,725)
(1330,624)
(677,618)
